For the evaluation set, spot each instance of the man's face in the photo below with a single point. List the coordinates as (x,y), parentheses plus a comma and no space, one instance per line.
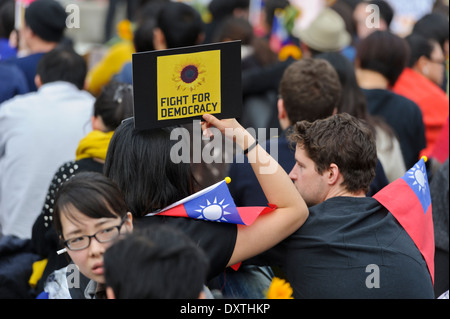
(436,65)
(310,184)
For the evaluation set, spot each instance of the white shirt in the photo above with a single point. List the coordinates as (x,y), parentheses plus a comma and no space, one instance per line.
(39,131)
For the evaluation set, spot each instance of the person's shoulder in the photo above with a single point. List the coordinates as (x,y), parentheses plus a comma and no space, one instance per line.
(28,61)
(345,202)
(20,103)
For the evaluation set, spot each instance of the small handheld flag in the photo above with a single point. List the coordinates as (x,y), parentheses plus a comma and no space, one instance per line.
(408,199)
(216,204)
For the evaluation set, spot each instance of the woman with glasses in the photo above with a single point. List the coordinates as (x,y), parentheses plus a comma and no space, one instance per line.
(89,215)
(113,105)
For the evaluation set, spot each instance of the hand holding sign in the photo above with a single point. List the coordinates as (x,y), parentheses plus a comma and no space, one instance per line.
(230,128)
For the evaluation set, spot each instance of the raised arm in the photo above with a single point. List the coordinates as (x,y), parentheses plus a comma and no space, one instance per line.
(269,229)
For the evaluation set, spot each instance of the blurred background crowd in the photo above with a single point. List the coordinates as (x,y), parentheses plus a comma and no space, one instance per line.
(387,53)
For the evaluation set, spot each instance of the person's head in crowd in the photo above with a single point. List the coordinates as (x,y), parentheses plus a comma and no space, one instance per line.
(148,9)
(309,90)
(370,16)
(178,25)
(346,12)
(146,16)
(7,18)
(384,53)
(114,104)
(89,214)
(257,48)
(61,64)
(233,28)
(221,9)
(426,57)
(326,33)
(143,39)
(155,262)
(434,26)
(325,168)
(352,99)
(147,188)
(45,23)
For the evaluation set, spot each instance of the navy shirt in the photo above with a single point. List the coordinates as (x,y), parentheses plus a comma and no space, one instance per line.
(28,65)
(351,248)
(12,82)
(404,117)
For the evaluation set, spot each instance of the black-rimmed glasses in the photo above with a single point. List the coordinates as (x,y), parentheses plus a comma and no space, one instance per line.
(102,236)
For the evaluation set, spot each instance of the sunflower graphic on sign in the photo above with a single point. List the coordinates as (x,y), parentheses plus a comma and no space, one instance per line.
(189,75)
(189,84)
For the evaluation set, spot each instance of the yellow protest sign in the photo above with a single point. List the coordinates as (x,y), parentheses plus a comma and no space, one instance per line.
(176,86)
(188,85)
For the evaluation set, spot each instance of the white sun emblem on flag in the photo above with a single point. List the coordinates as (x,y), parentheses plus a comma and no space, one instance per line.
(213,211)
(417,173)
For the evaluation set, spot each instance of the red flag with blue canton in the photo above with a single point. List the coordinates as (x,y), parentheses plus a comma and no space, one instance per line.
(279,36)
(216,204)
(408,199)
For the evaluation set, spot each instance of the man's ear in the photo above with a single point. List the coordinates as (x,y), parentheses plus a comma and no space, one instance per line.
(38,81)
(129,221)
(159,40)
(333,174)
(422,65)
(281,110)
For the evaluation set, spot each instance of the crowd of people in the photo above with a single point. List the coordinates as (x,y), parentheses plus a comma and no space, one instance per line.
(356,106)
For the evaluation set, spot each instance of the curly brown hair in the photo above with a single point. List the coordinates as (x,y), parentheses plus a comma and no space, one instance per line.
(343,140)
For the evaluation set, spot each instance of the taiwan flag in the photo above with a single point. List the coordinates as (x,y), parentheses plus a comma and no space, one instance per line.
(214,204)
(279,36)
(408,199)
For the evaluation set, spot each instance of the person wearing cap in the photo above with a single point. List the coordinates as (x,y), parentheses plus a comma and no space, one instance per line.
(327,33)
(41,32)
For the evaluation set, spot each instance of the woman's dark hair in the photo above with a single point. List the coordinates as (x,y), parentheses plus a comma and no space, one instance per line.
(139,161)
(433,26)
(181,266)
(385,53)
(7,19)
(235,29)
(181,24)
(386,11)
(143,36)
(419,46)
(92,194)
(224,8)
(114,104)
(352,100)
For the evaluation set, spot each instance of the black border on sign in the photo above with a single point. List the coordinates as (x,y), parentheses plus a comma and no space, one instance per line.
(145,84)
